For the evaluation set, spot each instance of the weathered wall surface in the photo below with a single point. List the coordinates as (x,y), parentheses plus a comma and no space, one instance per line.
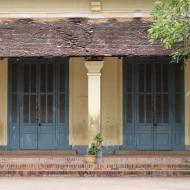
(187,103)
(78,105)
(111,100)
(73,8)
(3,100)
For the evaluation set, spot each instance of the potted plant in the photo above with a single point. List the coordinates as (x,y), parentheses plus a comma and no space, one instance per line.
(94,151)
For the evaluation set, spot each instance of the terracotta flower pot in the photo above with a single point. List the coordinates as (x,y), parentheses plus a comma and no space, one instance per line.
(90,158)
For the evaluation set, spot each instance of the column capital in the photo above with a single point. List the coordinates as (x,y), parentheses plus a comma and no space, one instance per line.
(94,66)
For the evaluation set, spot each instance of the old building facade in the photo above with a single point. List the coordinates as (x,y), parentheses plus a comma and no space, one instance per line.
(69,70)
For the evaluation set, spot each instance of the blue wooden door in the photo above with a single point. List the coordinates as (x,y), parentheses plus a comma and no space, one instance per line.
(153,127)
(46,106)
(149,98)
(28,106)
(162,106)
(144,107)
(41,105)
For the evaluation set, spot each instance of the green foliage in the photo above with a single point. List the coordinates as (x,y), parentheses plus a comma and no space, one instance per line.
(95,145)
(93,149)
(99,139)
(171,27)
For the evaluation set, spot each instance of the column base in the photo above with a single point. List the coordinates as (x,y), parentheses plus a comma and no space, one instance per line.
(187,147)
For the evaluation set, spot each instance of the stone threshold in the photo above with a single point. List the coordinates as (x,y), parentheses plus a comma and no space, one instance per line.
(38,153)
(120,153)
(152,153)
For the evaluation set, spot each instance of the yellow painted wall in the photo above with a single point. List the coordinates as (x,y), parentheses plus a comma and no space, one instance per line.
(187,103)
(111,100)
(78,97)
(3,100)
(72,8)
(112,7)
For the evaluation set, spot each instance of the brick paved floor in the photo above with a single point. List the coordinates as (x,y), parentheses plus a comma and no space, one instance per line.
(60,183)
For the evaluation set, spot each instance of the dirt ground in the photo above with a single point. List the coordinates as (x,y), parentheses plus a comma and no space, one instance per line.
(60,183)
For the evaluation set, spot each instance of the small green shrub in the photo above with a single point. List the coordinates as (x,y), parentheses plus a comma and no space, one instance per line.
(95,145)
(93,149)
(98,139)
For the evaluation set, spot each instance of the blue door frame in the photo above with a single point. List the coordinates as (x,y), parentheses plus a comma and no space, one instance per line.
(38,104)
(153,104)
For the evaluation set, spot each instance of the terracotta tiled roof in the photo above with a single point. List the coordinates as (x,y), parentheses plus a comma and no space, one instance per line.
(76,37)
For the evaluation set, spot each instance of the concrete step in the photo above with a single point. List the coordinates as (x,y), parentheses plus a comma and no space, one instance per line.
(61,169)
(91,167)
(112,165)
(129,173)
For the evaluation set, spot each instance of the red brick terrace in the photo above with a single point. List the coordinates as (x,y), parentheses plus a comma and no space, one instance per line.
(45,163)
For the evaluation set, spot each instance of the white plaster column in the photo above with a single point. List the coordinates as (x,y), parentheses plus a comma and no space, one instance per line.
(94,98)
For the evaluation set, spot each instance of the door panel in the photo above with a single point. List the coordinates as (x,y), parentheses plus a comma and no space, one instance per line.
(28,128)
(144,140)
(151,101)
(161,121)
(129,103)
(62,106)
(38,104)
(144,98)
(14,141)
(178,132)
(46,106)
